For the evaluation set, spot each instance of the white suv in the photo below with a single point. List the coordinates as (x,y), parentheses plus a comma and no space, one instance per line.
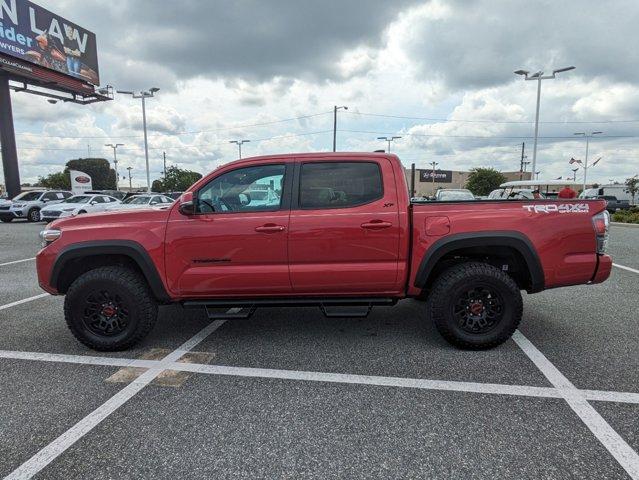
(27,205)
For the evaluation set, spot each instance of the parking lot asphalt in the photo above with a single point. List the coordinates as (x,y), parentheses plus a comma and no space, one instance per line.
(297,395)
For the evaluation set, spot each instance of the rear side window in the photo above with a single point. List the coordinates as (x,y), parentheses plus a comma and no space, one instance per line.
(339,184)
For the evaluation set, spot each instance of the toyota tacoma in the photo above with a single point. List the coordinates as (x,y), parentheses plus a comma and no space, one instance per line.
(333,230)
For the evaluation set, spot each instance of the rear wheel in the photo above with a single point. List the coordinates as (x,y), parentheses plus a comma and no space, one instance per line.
(33,215)
(475,305)
(110,308)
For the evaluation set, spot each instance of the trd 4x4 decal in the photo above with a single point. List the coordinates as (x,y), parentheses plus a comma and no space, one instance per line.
(563,208)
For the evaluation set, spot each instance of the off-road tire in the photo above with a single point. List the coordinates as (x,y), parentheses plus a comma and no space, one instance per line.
(120,283)
(450,287)
(33,215)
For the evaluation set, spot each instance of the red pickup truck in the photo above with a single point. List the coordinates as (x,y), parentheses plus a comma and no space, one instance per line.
(334,230)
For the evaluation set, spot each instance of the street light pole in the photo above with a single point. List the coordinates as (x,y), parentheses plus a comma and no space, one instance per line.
(389,140)
(239,144)
(588,137)
(144,95)
(335,109)
(434,164)
(115,162)
(130,184)
(539,76)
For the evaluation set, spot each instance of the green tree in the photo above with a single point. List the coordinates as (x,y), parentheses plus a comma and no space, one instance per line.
(482,181)
(98,169)
(176,180)
(56,181)
(632,185)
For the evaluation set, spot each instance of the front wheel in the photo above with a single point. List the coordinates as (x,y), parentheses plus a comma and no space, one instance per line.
(110,308)
(475,305)
(33,215)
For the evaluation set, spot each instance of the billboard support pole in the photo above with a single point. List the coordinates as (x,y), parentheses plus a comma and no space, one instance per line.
(8,139)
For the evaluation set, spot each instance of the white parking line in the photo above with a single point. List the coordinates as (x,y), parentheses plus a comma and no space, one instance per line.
(625,268)
(25,300)
(417,383)
(617,446)
(16,262)
(58,446)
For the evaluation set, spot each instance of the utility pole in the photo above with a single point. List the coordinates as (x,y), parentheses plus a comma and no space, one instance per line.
(130,184)
(539,76)
(144,95)
(412,180)
(115,162)
(335,109)
(164,159)
(239,144)
(521,164)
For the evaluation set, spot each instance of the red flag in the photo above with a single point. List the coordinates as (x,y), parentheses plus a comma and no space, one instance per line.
(574,160)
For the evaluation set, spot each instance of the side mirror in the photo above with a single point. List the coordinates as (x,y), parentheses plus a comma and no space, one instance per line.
(94,202)
(187,208)
(154,203)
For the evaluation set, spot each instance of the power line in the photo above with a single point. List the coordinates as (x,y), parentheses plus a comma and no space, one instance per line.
(525,122)
(192,132)
(184,147)
(505,137)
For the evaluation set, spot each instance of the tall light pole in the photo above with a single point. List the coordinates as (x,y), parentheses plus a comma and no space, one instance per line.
(115,162)
(335,109)
(239,144)
(130,180)
(434,164)
(539,76)
(574,174)
(144,95)
(389,140)
(588,137)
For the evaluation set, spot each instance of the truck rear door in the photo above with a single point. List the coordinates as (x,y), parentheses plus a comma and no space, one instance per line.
(344,227)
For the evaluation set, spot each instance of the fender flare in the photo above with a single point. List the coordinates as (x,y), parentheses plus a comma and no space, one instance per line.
(127,248)
(511,239)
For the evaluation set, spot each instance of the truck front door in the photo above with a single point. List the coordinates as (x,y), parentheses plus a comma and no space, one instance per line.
(344,228)
(236,243)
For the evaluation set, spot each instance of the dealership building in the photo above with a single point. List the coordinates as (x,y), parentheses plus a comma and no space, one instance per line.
(425,186)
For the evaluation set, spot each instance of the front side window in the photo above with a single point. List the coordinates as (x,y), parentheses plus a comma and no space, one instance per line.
(339,184)
(251,189)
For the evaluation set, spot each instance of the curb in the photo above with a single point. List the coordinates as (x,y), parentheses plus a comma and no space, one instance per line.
(620,224)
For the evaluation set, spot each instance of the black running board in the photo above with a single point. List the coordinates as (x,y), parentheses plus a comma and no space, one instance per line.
(229,309)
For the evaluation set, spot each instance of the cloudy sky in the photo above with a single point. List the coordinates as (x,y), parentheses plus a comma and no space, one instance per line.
(437,73)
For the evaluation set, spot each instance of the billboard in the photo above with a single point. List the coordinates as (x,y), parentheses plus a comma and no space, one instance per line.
(80,182)
(441,176)
(35,35)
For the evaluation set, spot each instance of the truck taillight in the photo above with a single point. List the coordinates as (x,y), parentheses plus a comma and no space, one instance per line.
(601,223)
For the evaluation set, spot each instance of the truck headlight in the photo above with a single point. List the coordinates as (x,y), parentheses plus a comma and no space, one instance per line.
(49,236)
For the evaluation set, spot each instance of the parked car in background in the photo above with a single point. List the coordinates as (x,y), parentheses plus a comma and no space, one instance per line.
(620,192)
(612,203)
(174,195)
(27,205)
(77,205)
(118,194)
(141,201)
(454,195)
